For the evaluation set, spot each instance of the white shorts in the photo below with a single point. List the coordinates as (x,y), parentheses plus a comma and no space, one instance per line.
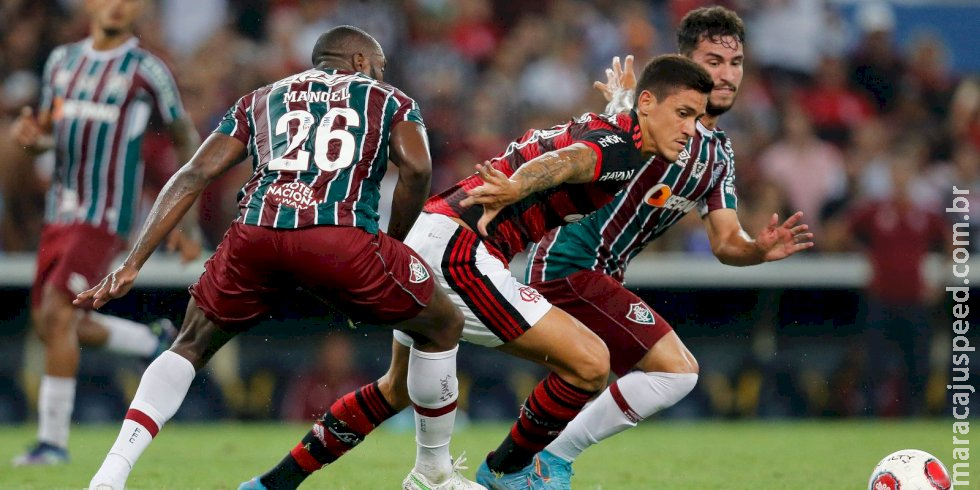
(496,306)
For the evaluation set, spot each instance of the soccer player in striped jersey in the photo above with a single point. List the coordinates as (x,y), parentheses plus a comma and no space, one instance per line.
(580,267)
(319,143)
(550,177)
(97,96)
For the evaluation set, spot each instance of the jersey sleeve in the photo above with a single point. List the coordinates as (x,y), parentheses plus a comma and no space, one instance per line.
(47,78)
(408,109)
(722,195)
(163,88)
(616,155)
(235,121)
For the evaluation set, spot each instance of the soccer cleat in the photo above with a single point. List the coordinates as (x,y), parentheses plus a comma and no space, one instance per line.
(42,454)
(253,484)
(166,332)
(456,481)
(549,472)
(494,480)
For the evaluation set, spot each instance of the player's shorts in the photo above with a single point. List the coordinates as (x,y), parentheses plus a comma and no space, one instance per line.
(627,325)
(72,258)
(496,307)
(371,278)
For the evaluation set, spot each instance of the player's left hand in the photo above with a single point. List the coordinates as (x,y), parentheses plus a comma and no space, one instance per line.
(620,78)
(496,193)
(188,245)
(113,286)
(780,241)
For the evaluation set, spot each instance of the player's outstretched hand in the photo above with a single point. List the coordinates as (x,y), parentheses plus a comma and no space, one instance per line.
(620,78)
(26,131)
(185,244)
(113,286)
(781,241)
(496,192)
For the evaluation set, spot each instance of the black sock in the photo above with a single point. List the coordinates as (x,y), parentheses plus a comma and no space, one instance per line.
(287,475)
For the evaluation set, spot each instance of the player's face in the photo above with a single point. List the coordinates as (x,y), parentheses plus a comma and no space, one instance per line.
(722,57)
(667,125)
(115,16)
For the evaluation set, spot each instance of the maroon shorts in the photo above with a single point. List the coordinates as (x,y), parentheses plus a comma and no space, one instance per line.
(627,325)
(72,258)
(372,278)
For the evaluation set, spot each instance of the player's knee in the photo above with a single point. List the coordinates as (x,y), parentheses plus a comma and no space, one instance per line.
(592,366)
(54,318)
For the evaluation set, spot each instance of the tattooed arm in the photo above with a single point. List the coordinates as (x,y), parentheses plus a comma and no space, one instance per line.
(574,164)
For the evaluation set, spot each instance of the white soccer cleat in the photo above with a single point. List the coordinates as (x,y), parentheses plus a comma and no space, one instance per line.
(112,475)
(456,481)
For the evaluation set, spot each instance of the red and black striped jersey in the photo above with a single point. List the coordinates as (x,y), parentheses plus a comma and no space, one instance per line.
(616,140)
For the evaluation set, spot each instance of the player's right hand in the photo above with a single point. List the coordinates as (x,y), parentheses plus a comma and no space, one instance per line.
(26,130)
(113,286)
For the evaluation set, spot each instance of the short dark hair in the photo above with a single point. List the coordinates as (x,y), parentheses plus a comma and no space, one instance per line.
(342,41)
(711,23)
(670,73)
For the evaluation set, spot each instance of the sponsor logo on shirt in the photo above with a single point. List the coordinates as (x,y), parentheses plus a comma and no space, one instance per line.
(617,175)
(293,194)
(660,196)
(611,139)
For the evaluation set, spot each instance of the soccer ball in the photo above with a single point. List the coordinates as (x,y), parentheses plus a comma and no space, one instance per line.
(910,469)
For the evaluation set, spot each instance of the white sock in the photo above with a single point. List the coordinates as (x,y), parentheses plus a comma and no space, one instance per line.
(56,401)
(622,405)
(161,391)
(125,336)
(433,388)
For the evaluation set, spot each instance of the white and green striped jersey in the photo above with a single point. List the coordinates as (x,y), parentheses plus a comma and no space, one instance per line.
(100,103)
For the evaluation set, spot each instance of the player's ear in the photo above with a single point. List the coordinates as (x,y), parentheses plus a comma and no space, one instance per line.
(645,102)
(360,63)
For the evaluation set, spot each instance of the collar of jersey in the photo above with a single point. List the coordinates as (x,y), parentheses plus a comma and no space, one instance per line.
(130,43)
(635,129)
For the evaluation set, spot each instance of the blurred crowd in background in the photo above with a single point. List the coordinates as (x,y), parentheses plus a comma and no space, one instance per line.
(832,102)
(829,101)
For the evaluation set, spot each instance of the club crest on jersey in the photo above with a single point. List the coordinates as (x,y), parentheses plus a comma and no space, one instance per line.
(699,168)
(639,313)
(418,270)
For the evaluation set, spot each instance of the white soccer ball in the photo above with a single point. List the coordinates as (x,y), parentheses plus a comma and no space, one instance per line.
(910,469)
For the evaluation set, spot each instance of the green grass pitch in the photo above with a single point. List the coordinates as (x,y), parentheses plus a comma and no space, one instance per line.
(659,454)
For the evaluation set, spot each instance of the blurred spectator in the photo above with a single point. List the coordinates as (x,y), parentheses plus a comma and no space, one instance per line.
(896,233)
(876,66)
(809,171)
(333,374)
(832,105)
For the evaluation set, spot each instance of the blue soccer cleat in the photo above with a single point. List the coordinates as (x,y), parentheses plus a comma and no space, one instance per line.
(504,481)
(253,484)
(549,472)
(42,454)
